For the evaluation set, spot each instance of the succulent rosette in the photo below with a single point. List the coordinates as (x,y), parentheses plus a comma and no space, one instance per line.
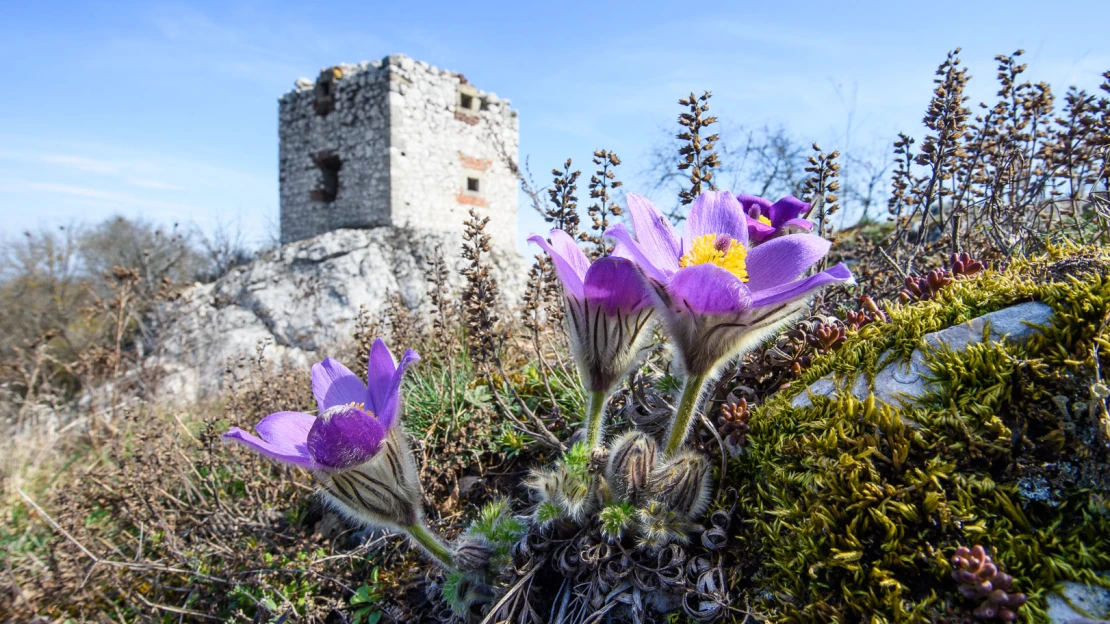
(354,446)
(768,220)
(716,294)
(609,309)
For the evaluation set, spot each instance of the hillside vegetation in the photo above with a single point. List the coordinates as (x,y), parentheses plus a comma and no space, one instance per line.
(121,506)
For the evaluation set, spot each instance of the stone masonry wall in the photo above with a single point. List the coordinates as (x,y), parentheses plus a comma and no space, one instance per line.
(445,134)
(356,132)
(404,143)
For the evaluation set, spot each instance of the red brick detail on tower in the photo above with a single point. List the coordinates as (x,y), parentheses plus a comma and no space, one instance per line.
(471,200)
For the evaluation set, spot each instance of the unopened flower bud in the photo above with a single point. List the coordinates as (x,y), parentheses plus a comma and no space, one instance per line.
(681,484)
(472,554)
(659,526)
(630,464)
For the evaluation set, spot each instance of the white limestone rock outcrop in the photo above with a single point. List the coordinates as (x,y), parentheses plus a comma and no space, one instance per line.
(304,298)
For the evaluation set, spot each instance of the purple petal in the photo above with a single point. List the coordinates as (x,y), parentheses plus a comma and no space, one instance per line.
(286,429)
(379,376)
(747,201)
(654,232)
(617,286)
(759,231)
(334,384)
(780,260)
(391,402)
(284,438)
(346,437)
(630,249)
(716,212)
(801,288)
(786,209)
(707,289)
(565,245)
(800,224)
(569,261)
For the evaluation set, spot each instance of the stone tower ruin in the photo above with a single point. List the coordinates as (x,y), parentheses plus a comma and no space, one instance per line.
(397,143)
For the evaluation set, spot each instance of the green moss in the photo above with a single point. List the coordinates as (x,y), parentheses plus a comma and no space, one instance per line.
(852,513)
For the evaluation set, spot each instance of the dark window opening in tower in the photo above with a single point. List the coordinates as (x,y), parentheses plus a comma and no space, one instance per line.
(324,91)
(327,186)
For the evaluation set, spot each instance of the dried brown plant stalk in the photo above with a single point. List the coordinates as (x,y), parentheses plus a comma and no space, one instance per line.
(563,212)
(480,295)
(445,315)
(697,152)
(820,189)
(1004,182)
(602,182)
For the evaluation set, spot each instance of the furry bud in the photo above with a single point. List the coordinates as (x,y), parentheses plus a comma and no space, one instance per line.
(681,484)
(630,464)
(472,554)
(571,492)
(659,526)
(544,484)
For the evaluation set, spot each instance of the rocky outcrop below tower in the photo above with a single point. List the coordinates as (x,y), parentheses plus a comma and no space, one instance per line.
(303,299)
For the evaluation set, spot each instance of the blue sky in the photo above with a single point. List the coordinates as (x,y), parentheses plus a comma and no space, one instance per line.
(168,111)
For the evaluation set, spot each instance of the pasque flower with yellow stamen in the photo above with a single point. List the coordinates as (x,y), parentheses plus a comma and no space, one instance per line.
(716,294)
(718,249)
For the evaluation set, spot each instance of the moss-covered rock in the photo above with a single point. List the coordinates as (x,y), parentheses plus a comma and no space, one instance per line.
(852,507)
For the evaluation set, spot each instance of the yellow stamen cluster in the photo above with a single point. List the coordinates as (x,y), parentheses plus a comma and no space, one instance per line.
(361,406)
(764,220)
(705,250)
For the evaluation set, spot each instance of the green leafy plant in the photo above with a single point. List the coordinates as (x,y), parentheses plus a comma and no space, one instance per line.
(616,519)
(364,602)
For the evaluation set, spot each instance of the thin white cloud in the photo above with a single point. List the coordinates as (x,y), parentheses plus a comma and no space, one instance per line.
(84,192)
(79,163)
(157,185)
(122,170)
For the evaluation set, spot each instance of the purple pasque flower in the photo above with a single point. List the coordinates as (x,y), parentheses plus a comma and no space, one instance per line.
(767,220)
(716,294)
(608,307)
(355,445)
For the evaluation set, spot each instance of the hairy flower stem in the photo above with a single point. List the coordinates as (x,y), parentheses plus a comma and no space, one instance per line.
(683,417)
(593,419)
(431,544)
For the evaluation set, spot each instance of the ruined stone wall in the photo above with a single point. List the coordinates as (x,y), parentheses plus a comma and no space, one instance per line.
(395,142)
(447,137)
(339,127)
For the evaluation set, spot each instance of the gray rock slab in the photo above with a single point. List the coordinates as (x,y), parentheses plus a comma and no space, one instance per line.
(1013,323)
(1088,604)
(901,382)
